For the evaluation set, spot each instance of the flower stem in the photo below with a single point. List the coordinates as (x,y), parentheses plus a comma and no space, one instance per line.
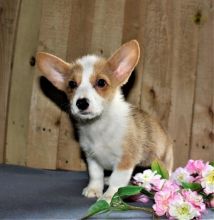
(140,209)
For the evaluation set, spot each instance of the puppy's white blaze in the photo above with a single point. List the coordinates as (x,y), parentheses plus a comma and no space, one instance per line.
(86,90)
(87,62)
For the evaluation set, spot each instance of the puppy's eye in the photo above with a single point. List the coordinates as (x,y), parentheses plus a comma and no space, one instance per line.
(72,84)
(101,83)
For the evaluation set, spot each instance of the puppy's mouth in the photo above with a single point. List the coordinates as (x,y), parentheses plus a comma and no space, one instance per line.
(85,115)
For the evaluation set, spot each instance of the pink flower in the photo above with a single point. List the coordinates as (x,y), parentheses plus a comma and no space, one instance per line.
(170,185)
(171,199)
(195,199)
(163,199)
(195,166)
(181,175)
(157,184)
(140,198)
(162,202)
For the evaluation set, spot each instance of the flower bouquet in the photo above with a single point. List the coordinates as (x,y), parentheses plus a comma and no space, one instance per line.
(185,194)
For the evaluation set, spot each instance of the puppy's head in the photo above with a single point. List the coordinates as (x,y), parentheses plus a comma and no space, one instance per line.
(91,81)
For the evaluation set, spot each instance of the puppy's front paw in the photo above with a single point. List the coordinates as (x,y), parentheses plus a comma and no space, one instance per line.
(107,198)
(109,194)
(92,192)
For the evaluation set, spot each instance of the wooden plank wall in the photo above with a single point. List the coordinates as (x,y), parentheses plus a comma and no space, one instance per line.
(202,138)
(9,12)
(174,80)
(22,81)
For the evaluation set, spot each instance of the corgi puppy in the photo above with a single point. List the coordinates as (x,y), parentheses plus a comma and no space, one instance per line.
(113,134)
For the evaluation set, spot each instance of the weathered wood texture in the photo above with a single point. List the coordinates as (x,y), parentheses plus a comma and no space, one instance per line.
(9,11)
(22,81)
(174,80)
(45,115)
(202,145)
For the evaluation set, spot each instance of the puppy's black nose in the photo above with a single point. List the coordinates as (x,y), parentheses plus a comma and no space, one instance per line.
(82,104)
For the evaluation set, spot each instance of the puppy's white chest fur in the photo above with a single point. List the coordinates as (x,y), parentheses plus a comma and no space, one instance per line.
(102,139)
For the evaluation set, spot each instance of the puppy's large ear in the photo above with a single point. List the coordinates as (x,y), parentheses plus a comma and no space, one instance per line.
(53,68)
(124,60)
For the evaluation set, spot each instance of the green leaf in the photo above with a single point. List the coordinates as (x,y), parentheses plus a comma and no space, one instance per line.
(205,196)
(212,163)
(116,199)
(192,186)
(147,193)
(129,190)
(118,204)
(100,206)
(160,168)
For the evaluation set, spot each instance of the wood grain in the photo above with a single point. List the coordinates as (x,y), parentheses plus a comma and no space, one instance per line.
(45,115)
(157,44)
(203,116)
(9,11)
(80,30)
(69,153)
(183,72)
(22,81)
(133,29)
(108,23)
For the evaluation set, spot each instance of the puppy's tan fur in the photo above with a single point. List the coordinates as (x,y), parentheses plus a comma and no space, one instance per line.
(145,137)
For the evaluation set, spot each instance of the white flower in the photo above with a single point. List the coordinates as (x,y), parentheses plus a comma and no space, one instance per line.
(146,178)
(207,180)
(182,210)
(181,175)
(195,199)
